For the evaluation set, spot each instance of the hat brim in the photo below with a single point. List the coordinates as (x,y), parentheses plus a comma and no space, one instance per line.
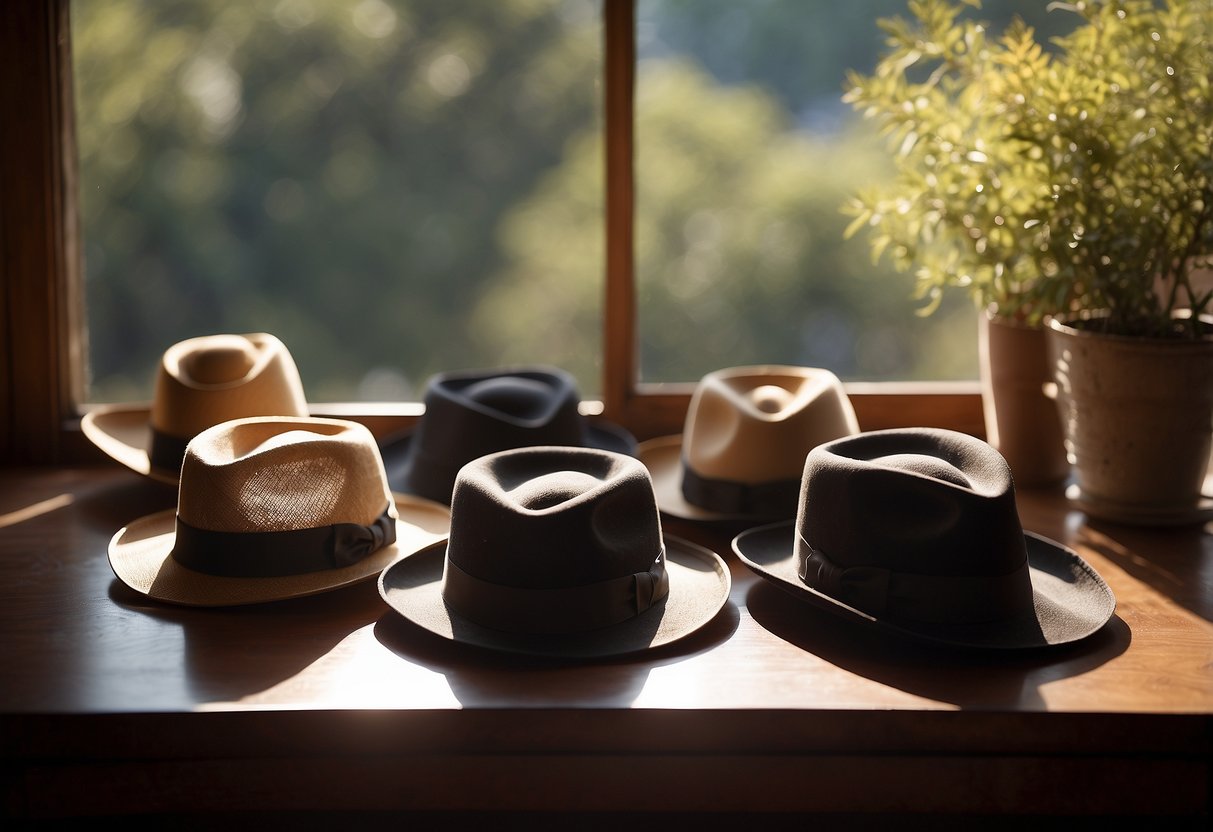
(124,434)
(699,587)
(140,556)
(1070,600)
(663,457)
(398,461)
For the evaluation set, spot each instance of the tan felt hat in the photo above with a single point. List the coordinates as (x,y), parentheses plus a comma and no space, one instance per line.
(747,432)
(200,382)
(270,508)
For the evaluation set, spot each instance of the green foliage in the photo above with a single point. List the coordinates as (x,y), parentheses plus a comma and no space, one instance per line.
(1048,182)
(398,187)
(330,172)
(739,254)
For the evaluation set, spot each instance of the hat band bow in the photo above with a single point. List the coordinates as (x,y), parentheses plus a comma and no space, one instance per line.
(557,610)
(940,599)
(278,553)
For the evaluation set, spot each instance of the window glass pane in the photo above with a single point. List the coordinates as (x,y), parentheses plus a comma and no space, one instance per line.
(746,154)
(392,187)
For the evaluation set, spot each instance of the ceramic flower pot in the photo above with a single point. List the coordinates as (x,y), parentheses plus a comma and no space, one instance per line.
(1021,420)
(1138,420)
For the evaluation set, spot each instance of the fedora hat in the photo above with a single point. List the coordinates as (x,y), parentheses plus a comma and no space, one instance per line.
(742,450)
(557,551)
(270,508)
(200,382)
(471,413)
(916,531)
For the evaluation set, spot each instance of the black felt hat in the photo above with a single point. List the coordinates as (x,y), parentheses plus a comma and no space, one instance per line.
(557,551)
(916,530)
(471,413)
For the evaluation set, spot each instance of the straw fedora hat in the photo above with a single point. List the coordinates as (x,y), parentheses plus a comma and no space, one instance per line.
(200,382)
(471,413)
(270,508)
(746,435)
(917,531)
(557,551)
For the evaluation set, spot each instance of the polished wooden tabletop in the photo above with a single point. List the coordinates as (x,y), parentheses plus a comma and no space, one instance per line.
(99,685)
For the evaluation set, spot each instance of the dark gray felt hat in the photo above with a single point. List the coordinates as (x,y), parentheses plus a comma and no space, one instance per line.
(471,413)
(557,551)
(916,530)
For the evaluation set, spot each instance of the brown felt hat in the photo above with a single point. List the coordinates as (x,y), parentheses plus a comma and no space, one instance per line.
(557,551)
(200,382)
(746,435)
(916,531)
(270,508)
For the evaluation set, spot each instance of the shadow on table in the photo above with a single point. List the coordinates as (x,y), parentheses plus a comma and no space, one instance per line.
(967,678)
(1173,561)
(229,653)
(482,677)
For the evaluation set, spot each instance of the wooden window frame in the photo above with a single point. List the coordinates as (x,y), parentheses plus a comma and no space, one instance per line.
(42,341)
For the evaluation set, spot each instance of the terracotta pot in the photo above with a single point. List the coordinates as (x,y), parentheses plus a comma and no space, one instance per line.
(1138,417)
(1021,421)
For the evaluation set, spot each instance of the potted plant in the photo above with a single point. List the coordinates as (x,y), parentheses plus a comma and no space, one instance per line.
(1068,189)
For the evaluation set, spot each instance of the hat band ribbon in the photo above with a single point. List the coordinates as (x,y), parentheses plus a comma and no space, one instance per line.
(777,497)
(167,452)
(559,610)
(275,554)
(938,599)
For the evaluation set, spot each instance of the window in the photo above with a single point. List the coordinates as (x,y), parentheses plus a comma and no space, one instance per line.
(376,182)
(45,382)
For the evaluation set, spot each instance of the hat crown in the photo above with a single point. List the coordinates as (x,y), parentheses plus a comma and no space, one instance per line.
(553,489)
(216,378)
(470,414)
(267,474)
(771,398)
(927,501)
(756,424)
(550,517)
(928,466)
(222,359)
(515,396)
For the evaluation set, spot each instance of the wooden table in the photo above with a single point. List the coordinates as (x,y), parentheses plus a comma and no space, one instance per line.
(313,709)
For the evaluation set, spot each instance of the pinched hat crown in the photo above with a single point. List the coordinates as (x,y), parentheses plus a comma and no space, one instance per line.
(917,524)
(748,430)
(553,539)
(472,413)
(916,530)
(270,496)
(216,378)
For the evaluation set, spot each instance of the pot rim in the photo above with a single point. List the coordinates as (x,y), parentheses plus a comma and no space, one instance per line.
(1064,325)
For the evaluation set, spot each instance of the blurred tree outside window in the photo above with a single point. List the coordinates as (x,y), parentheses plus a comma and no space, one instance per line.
(400,187)
(353,176)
